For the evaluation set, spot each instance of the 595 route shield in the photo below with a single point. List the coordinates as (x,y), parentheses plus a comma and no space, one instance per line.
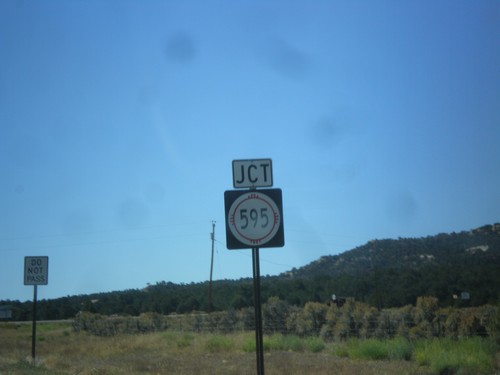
(254,218)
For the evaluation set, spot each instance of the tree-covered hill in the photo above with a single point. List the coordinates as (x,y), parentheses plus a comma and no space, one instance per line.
(383,273)
(392,272)
(478,246)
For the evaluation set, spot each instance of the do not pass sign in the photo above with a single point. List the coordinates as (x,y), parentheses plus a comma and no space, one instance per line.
(254,218)
(36,270)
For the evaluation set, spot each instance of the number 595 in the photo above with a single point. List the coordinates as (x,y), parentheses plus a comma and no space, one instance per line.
(252,217)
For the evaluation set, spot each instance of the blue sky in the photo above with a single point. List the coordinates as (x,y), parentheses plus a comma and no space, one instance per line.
(120,120)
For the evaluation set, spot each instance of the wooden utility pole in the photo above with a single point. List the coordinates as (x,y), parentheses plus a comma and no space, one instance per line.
(212,236)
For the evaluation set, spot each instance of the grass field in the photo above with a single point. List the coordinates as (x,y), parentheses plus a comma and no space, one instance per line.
(62,351)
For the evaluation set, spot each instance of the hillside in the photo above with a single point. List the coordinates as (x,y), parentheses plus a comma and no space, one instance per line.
(478,246)
(393,272)
(383,273)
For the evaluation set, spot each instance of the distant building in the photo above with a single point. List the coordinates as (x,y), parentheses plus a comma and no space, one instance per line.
(338,301)
(464,296)
(5,312)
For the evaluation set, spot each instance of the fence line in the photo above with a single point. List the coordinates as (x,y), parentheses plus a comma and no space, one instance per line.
(329,323)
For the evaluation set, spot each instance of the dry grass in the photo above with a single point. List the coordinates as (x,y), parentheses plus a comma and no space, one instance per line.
(61,351)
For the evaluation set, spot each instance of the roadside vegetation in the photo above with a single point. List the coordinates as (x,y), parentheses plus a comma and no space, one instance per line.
(60,350)
(318,338)
(351,320)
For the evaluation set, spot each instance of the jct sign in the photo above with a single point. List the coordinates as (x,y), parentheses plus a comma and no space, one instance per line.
(254,218)
(252,173)
(36,270)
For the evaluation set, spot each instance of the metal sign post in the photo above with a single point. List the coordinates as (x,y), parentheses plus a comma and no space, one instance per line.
(254,219)
(33,332)
(259,339)
(36,272)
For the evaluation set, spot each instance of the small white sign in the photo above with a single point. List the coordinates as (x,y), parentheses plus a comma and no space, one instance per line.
(252,173)
(36,270)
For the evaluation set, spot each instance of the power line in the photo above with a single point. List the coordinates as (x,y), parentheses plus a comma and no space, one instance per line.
(245,253)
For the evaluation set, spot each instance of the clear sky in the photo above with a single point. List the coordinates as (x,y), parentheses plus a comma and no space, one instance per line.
(120,120)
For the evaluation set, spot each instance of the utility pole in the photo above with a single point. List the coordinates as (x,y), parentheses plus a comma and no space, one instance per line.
(212,236)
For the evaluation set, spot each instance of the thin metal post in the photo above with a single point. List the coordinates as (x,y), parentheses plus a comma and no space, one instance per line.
(212,236)
(258,311)
(33,334)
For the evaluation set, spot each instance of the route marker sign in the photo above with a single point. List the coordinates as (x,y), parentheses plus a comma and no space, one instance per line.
(36,270)
(254,218)
(252,173)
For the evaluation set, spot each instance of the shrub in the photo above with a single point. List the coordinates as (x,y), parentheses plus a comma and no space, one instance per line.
(370,349)
(446,356)
(374,349)
(342,351)
(274,342)
(293,343)
(426,308)
(310,320)
(150,322)
(342,328)
(184,341)
(218,343)
(274,315)
(315,344)
(290,343)
(399,349)
(495,326)
(360,349)
(249,345)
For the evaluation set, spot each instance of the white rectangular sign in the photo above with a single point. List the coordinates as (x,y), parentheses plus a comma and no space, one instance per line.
(36,270)
(252,173)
